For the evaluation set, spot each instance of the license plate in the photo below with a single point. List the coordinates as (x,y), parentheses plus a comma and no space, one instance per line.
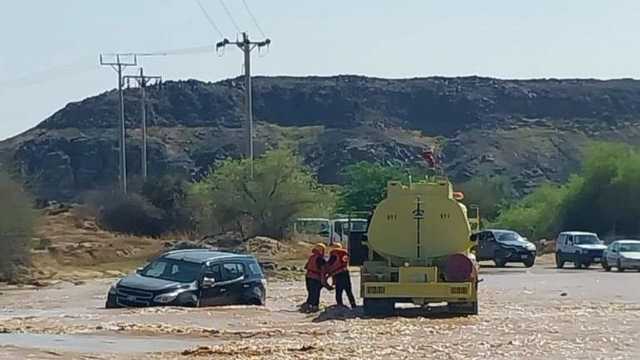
(596,259)
(375,289)
(131,298)
(524,256)
(459,290)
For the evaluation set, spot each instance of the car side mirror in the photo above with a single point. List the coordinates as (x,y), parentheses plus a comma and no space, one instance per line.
(208,281)
(139,270)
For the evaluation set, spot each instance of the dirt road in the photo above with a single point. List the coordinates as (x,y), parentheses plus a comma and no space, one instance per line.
(537,313)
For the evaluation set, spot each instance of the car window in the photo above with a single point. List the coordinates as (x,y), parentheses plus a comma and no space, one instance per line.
(173,270)
(569,240)
(231,271)
(155,269)
(214,270)
(255,269)
(635,247)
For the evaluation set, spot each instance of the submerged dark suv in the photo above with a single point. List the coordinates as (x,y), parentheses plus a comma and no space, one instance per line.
(192,278)
(503,246)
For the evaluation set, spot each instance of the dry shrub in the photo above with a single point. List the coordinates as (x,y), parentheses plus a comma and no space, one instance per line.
(17,220)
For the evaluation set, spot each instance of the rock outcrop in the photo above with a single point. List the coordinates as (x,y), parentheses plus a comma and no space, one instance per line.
(530,131)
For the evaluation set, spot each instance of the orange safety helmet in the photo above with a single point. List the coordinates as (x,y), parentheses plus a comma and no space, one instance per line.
(319,248)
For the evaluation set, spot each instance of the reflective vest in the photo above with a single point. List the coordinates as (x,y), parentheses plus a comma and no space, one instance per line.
(338,262)
(313,271)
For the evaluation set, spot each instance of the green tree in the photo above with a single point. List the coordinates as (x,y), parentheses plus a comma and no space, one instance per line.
(489,193)
(169,194)
(538,214)
(366,184)
(17,220)
(281,189)
(604,198)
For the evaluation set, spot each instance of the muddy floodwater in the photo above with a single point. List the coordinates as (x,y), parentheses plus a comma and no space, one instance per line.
(536,313)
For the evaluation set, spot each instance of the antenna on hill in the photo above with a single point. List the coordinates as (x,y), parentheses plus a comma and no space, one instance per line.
(246,46)
(118,64)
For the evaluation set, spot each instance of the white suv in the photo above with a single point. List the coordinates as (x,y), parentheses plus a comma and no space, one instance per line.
(580,248)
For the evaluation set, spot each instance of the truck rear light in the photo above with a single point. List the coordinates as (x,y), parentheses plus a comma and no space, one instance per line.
(458,268)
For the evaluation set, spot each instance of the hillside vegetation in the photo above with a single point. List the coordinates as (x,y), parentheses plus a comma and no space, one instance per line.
(604,197)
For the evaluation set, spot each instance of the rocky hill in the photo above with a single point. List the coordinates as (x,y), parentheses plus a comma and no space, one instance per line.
(530,131)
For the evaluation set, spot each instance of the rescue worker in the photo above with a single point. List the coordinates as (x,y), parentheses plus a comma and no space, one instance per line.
(314,278)
(338,270)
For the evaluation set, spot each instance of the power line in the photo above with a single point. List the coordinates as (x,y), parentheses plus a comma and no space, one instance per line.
(209,19)
(143,80)
(246,46)
(117,65)
(253,18)
(233,21)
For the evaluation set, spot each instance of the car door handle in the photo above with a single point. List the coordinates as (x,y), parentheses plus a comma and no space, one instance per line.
(246,286)
(222,290)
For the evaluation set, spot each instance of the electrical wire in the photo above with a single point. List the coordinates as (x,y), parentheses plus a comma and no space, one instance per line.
(233,21)
(253,18)
(80,65)
(209,19)
(183,51)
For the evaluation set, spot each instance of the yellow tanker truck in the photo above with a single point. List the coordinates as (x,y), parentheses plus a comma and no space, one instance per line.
(417,249)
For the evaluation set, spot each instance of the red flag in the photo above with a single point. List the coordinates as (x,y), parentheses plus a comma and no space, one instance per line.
(430,158)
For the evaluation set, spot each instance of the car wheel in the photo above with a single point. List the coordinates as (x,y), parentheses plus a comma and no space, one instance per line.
(619,266)
(529,262)
(111,303)
(605,265)
(500,261)
(187,300)
(586,264)
(559,261)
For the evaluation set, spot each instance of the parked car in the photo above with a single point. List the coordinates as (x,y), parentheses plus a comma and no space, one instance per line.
(192,278)
(579,247)
(503,246)
(622,254)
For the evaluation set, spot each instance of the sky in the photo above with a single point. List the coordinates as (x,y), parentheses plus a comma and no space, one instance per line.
(49,49)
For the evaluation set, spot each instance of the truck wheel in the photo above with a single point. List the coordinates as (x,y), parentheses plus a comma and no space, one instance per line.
(467,308)
(559,260)
(529,262)
(378,307)
(577,263)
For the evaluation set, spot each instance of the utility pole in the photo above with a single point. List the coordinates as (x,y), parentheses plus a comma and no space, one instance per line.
(117,65)
(246,46)
(143,81)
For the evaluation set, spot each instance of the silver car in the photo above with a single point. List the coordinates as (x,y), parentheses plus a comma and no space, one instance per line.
(622,254)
